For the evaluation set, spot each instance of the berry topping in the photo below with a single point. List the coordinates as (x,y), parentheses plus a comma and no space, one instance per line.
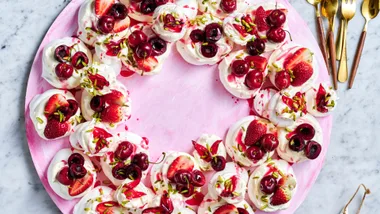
(182,177)
(115,97)
(301,55)
(255,153)
(282,80)
(281,196)
(166,203)
(98,81)
(158,46)
(62,53)
(276,18)
(239,68)
(79,60)
(202,151)
(306,131)
(228,6)
(323,100)
(197,35)
(213,32)
(137,37)
(269,142)
(312,150)
(64,71)
(55,102)
(114,48)
(302,73)
(119,171)
(218,163)
(147,64)
(107,207)
(144,50)
(242,211)
(141,160)
(296,103)
(81,185)
(97,103)
(197,178)
(55,129)
(230,187)
(112,114)
(186,190)
(71,110)
(296,143)
(257,62)
(181,162)
(124,150)
(209,50)
(276,35)
(77,171)
(226,209)
(133,172)
(106,24)
(171,24)
(148,6)
(254,79)
(255,131)
(268,184)
(64,176)
(121,25)
(255,47)
(260,19)
(75,158)
(103,6)
(118,11)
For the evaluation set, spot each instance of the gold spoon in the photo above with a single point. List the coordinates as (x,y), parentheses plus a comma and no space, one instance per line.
(329,9)
(370,9)
(321,33)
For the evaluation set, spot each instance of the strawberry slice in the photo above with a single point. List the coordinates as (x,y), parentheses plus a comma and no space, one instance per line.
(260,19)
(121,25)
(103,6)
(166,203)
(181,162)
(107,207)
(147,64)
(115,97)
(302,73)
(281,196)
(257,62)
(226,209)
(301,55)
(112,114)
(214,147)
(202,151)
(54,102)
(98,81)
(255,131)
(81,185)
(100,137)
(229,187)
(131,185)
(240,29)
(131,194)
(55,129)
(196,199)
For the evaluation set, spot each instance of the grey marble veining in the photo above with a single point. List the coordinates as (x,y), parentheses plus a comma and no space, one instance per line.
(352,157)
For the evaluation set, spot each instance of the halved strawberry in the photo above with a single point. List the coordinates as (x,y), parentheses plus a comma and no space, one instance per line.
(112,114)
(98,81)
(54,102)
(227,209)
(214,147)
(103,6)
(202,151)
(260,19)
(115,97)
(147,64)
(55,129)
(257,62)
(81,185)
(256,129)
(121,25)
(131,194)
(301,55)
(181,162)
(107,207)
(281,196)
(302,73)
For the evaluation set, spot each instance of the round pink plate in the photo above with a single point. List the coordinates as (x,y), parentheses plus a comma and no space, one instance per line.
(172,108)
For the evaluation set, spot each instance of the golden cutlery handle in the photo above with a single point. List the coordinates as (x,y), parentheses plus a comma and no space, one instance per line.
(343,70)
(357,58)
(339,44)
(333,58)
(322,40)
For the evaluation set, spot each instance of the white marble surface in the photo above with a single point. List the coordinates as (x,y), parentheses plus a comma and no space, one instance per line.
(352,157)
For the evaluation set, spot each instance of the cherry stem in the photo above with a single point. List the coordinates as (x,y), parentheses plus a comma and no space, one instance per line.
(163,158)
(290,35)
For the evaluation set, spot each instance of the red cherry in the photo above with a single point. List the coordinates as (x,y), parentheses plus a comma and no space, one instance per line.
(62,53)
(269,142)
(148,6)
(141,160)
(213,32)
(79,60)
(75,158)
(239,68)
(198,179)
(209,50)
(77,171)
(97,103)
(228,6)
(197,35)
(72,109)
(64,176)
(218,163)
(296,143)
(256,47)
(106,24)
(144,50)
(276,18)
(119,171)
(313,150)
(137,37)
(268,184)
(158,46)
(242,210)
(282,79)
(186,190)
(124,150)
(255,153)
(161,2)
(276,35)
(306,131)
(64,70)
(182,177)
(118,11)
(133,172)
(254,79)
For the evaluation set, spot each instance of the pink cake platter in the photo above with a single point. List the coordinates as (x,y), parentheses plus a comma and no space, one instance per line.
(174,107)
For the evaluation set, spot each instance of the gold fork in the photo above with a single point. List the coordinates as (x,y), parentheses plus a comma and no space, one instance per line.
(348,12)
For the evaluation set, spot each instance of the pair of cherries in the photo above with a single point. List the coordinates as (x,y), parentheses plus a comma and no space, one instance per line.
(267,143)
(68,63)
(211,34)
(144,48)
(253,79)
(186,181)
(74,170)
(148,6)
(106,22)
(302,141)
